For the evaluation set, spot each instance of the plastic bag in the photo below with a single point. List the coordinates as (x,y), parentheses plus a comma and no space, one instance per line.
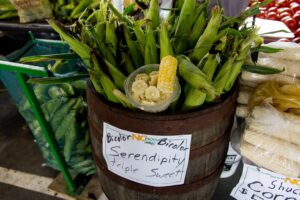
(65,110)
(31,10)
(272,140)
(288,59)
(61,103)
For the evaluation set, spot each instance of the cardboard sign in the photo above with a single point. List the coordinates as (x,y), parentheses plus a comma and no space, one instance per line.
(147,159)
(261,184)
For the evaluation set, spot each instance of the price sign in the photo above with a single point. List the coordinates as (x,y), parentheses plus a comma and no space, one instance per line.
(260,184)
(147,159)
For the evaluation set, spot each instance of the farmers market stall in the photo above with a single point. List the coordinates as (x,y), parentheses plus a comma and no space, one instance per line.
(165,81)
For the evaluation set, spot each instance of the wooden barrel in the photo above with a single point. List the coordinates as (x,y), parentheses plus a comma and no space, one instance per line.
(210,129)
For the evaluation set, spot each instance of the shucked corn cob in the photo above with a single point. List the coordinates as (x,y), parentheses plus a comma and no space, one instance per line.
(167,74)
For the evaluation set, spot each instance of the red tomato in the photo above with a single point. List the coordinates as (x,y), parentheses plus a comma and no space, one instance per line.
(290,22)
(273,9)
(262,8)
(296,16)
(262,15)
(295,7)
(284,14)
(272,16)
(282,3)
(285,9)
(296,40)
(297,33)
(271,4)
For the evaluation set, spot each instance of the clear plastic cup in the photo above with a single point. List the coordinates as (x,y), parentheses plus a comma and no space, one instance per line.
(159,107)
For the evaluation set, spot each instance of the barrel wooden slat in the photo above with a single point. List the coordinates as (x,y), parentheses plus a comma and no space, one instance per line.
(210,128)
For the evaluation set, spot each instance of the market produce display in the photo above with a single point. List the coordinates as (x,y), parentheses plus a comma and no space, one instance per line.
(287,59)
(210,48)
(272,129)
(7,10)
(287,11)
(39,10)
(65,110)
(68,10)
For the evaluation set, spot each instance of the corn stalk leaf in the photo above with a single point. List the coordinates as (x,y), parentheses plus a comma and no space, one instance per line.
(261,69)
(57,80)
(45,58)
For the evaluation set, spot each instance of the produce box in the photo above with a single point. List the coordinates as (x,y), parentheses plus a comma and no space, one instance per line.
(63,105)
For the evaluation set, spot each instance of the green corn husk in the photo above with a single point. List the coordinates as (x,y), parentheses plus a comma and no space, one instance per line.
(82,50)
(79,8)
(195,77)
(116,75)
(133,49)
(209,36)
(243,52)
(195,97)
(100,30)
(223,74)
(105,52)
(164,41)
(127,63)
(153,13)
(107,85)
(140,35)
(122,17)
(122,98)
(150,48)
(110,37)
(184,26)
(198,26)
(210,66)
(9,14)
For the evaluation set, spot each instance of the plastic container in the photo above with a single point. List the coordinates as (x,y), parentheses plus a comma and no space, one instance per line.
(150,108)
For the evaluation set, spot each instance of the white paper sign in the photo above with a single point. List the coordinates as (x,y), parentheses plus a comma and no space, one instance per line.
(147,159)
(261,184)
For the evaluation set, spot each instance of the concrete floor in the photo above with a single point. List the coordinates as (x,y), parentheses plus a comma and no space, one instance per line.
(19,152)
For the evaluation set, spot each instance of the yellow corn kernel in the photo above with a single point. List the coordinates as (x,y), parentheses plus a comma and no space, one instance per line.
(167,74)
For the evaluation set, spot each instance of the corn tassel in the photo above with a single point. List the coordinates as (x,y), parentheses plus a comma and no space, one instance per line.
(209,36)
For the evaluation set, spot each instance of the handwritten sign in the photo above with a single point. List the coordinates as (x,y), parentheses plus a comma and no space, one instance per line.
(147,159)
(260,184)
